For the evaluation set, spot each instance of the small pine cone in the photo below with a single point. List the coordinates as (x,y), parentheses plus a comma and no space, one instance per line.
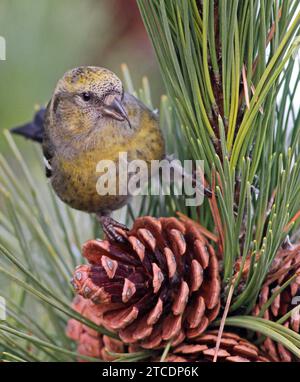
(162,284)
(286,264)
(89,342)
(233,348)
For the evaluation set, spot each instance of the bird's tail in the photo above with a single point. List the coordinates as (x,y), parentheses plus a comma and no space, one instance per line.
(33,130)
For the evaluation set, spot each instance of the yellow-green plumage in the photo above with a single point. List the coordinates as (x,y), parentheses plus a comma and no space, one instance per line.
(79,134)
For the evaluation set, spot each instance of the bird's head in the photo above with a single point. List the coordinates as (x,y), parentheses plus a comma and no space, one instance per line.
(86,95)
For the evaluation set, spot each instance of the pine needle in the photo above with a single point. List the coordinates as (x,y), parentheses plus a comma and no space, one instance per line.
(223,321)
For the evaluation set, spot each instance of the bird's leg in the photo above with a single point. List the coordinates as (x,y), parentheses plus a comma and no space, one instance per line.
(109,226)
(206,191)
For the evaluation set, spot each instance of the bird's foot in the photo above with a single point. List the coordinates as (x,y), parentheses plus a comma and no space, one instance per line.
(110,228)
(170,157)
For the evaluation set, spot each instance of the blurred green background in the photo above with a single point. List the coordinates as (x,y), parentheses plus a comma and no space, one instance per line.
(44,38)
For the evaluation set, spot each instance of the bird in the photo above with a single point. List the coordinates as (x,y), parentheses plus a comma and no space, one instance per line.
(90,118)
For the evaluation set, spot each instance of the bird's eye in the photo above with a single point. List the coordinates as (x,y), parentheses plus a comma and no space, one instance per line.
(86,96)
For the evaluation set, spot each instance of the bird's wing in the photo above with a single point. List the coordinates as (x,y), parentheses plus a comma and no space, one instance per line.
(33,130)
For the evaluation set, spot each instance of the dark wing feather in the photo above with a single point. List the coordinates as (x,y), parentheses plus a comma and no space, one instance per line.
(33,130)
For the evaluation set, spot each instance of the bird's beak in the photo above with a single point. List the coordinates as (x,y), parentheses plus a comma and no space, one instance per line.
(113,108)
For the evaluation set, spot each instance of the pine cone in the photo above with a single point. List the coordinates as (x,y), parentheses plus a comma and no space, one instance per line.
(89,342)
(162,284)
(233,348)
(286,264)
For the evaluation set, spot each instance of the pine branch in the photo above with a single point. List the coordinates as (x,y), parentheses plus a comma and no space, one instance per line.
(226,94)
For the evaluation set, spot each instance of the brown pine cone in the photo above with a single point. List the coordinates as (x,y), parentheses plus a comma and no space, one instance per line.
(233,348)
(162,284)
(89,342)
(286,264)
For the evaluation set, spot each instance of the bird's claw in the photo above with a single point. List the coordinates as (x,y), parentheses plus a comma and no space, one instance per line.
(109,226)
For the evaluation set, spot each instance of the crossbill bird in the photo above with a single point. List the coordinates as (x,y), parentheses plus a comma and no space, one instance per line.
(88,119)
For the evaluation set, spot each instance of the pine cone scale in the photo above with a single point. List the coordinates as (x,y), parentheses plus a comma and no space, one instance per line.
(89,342)
(285,265)
(233,348)
(196,312)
